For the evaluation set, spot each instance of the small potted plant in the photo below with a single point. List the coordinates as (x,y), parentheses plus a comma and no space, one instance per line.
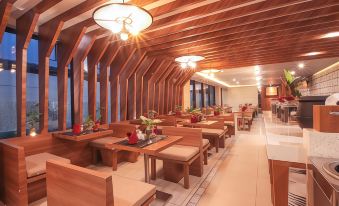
(96,125)
(217,110)
(88,124)
(196,115)
(150,124)
(178,110)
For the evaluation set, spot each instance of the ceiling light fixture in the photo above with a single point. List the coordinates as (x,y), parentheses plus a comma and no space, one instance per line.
(330,35)
(189,61)
(301,65)
(238,82)
(234,79)
(123,19)
(312,53)
(258,78)
(293,72)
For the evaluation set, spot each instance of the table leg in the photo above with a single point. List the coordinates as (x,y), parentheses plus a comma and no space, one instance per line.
(146,162)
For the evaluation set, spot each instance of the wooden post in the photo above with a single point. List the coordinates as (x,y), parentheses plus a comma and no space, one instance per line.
(5,13)
(69,42)
(25,27)
(85,45)
(93,58)
(106,60)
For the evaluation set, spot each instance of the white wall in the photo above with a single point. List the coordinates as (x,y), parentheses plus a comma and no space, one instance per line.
(240,95)
(186,96)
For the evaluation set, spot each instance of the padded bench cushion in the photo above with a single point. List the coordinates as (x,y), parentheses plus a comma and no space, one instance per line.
(211,132)
(179,152)
(36,164)
(106,140)
(128,192)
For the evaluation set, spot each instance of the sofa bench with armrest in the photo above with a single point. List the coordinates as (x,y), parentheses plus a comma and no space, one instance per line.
(110,156)
(73,185)
(183,158)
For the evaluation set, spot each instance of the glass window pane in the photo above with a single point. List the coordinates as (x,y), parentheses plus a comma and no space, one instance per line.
(198,94)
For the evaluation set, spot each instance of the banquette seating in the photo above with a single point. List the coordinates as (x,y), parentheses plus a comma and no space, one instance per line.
(183,158)
(110,156)
(73,185)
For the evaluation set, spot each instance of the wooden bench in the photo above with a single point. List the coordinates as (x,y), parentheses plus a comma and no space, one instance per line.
(110,156)
(182,159)
(72,185)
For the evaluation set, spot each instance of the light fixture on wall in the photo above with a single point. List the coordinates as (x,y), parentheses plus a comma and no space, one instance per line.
(189,61)
(1,66)
(13,68)
(123,19)
(330,35)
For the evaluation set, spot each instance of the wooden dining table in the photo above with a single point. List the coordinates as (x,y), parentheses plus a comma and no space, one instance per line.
(197,124)
(155,147)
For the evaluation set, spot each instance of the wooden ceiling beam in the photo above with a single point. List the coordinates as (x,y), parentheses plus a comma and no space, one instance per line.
(254,29)
(5,13)
(69,42)
(77,76)
(138,78)
(160,89)
(119,65)
(95,54)
(105,63)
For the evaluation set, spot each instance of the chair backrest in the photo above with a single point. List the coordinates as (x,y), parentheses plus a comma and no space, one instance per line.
(167,120)
(73,185)
(121,129)
(191,136)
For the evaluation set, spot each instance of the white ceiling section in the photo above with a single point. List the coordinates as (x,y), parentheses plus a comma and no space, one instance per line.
(270,73)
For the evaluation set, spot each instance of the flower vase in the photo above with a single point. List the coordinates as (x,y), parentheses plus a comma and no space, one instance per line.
(148,133)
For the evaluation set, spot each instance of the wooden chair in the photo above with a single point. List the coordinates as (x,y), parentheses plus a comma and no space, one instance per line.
(72,185)
(182,159)
(110,156)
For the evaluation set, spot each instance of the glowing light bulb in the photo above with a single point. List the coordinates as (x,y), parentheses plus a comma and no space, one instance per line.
(134,32)
(1,69)
(124,36)
(183,65)
(293,72)
(116,29)
(192,64)
(234,79)
(301,65)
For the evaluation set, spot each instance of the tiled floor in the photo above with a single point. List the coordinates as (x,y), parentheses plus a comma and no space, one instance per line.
(242,178)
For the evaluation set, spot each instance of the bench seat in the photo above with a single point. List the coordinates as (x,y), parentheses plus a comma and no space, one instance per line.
(106,140)
(179,152)
(36,164)
(131,192)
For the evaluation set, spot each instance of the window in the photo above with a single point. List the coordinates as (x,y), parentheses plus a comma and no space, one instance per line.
(201,97)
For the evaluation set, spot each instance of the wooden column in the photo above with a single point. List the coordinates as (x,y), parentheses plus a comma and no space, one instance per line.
(105,62)
(160,89)
(146,90)
(48,34)
(171,86)
(139,75)
(85,45)
(126,107)
(5,13)
(168,81)
(25,27)
(117,66)
(93,58)
(69,42)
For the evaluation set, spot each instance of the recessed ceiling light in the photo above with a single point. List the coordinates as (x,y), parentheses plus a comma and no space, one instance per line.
(234,79)
(330,35)
(293,72)
(238,82)
(312,53)
(301,65)
(258,78)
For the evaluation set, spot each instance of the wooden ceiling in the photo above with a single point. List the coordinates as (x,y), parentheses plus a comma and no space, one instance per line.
(228,33)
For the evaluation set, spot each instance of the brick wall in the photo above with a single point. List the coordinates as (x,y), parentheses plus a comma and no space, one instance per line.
(324,83)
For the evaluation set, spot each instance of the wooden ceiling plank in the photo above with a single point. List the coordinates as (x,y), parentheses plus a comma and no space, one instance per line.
(5,13)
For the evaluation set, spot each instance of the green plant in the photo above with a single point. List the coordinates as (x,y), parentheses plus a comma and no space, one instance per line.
(149,122)
(218,108)
(88,124)
(292,83)
(178,108)
(33,116)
